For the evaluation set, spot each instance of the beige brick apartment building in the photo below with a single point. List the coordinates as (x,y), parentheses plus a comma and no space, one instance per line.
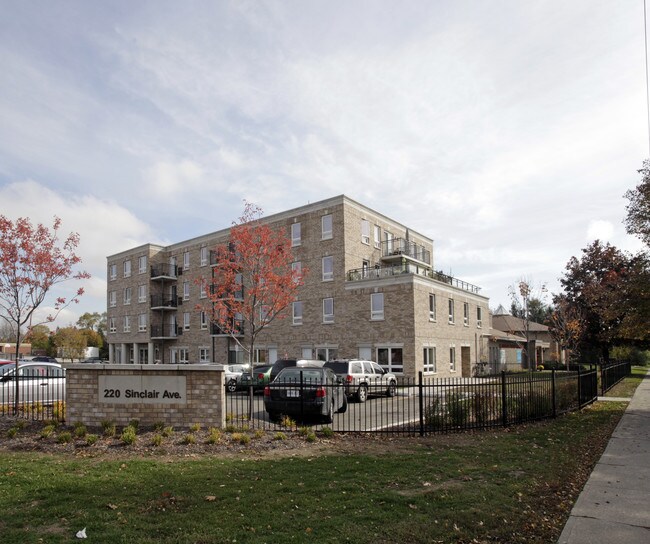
(372,292)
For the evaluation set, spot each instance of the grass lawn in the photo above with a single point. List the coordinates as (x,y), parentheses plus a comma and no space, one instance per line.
(513,486)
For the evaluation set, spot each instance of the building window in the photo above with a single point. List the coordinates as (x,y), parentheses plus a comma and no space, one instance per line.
(326,354)
(466,314)
(204,256)
(203,293)
(127,323)
(142,293)
(111,325)
(451,311)
(365,231)
(297,312)
(204,355)
(296,269)
(186,321)
(391,359)
(127,269)
(186,260)
(377,236)
(142,322)
(328,310)
(479,317)
(142,264)
(127,296)
(186,290)
(432,307)
(377,306)
(388,239)
(204,321)
(452,358)
(183,356)
(112,271)
(295,235)
(112,299)
(328,268)
(430,360)
(326,227)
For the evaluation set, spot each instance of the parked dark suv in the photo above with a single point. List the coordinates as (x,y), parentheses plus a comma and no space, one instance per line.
(286,363)
(363,378)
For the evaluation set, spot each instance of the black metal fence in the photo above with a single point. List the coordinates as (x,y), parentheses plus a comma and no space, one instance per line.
(424,406)
(613,373)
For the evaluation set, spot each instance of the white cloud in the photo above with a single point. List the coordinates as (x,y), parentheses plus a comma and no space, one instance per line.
(599,230)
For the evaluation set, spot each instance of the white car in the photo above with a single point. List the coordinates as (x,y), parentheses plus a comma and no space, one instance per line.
(37,383)
(364,378)
(233,376)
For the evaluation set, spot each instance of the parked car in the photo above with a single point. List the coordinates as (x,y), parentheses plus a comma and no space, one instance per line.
(38,382)
(286,363)
(261,376)
(233,376)
(363,378)
(305,391)
(39,359)
(6,362)
(94,360)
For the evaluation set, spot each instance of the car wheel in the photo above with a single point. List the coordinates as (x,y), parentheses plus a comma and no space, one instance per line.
(344,406)
(329,416)
(362,393)
(231,386)
(392,389)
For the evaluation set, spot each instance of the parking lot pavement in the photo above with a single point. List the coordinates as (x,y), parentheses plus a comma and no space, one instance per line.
(613,506)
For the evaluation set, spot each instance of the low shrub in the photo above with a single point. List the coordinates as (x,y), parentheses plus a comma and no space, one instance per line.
(214,435)
(91,439)
(64,437)
(129,435)
(156,439)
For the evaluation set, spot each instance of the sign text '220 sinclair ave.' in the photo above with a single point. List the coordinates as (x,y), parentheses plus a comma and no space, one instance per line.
(142,389)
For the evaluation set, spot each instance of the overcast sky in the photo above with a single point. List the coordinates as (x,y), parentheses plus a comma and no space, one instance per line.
(507,131)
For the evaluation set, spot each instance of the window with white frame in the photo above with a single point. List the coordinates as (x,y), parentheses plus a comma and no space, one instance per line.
(261,355)
(127,323)
(377,306)
(451,310)
(429,360)
(377,236)
(264,312)
(326,227)
(183,356)
(432,307)
(204,321)
(186,290)
(186,260)
(328,268)
(142,293)
(111,325)
(112,271)
(112,299)
(186,321)
(204,355)
(127,295)
(204,256)
(297,312)
(127,268)
(388,239)
(365,231)
(328,310)
(296,239)
(142,322)
(391,359)
(479,317)
(203,293)
(452,358)
(142,264)
(326,353)
(296,269)
(466,314)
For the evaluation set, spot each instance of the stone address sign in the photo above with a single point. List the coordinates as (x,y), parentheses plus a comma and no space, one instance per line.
(142,389)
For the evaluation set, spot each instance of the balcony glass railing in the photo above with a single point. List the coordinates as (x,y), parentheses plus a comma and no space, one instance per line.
(164,270)
(379,272)
(407,248)
(166,331)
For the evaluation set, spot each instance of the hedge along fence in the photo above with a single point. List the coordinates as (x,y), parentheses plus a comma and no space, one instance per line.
(448,405)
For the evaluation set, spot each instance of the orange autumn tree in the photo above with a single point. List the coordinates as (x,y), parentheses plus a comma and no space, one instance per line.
(253,280)
(33,260)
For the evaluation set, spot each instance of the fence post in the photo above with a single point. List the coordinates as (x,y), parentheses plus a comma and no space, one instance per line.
(602,379)
(504,398)
(553,393)
(421,403)
(579,387)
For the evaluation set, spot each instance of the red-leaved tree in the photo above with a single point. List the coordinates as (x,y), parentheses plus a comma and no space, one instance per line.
(252,280)
(33,260)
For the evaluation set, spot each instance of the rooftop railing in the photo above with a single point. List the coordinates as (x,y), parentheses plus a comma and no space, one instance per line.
(401,246)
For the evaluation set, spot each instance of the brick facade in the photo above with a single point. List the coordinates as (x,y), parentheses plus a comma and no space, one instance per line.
(399,267)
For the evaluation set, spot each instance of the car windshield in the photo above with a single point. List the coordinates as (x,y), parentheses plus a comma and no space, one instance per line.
(293,375)
(339,367)
(4,369)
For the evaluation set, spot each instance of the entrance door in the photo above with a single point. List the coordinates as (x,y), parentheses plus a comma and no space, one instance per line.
(143,356)
(465,361)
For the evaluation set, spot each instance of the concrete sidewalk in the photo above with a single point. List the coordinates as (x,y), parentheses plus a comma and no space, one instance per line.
(614,506)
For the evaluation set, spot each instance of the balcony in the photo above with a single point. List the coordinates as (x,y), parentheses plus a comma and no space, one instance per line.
(165,332)
(398,248)
(165,271)
(165,302)
(381,272)
(238,326)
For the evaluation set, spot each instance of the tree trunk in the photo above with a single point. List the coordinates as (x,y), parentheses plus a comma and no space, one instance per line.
(16,377)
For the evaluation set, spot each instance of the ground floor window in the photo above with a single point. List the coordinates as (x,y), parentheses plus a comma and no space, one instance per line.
(261,356)
(391,359)
(326,354)
(204,355)
(452,358)
(429,360)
